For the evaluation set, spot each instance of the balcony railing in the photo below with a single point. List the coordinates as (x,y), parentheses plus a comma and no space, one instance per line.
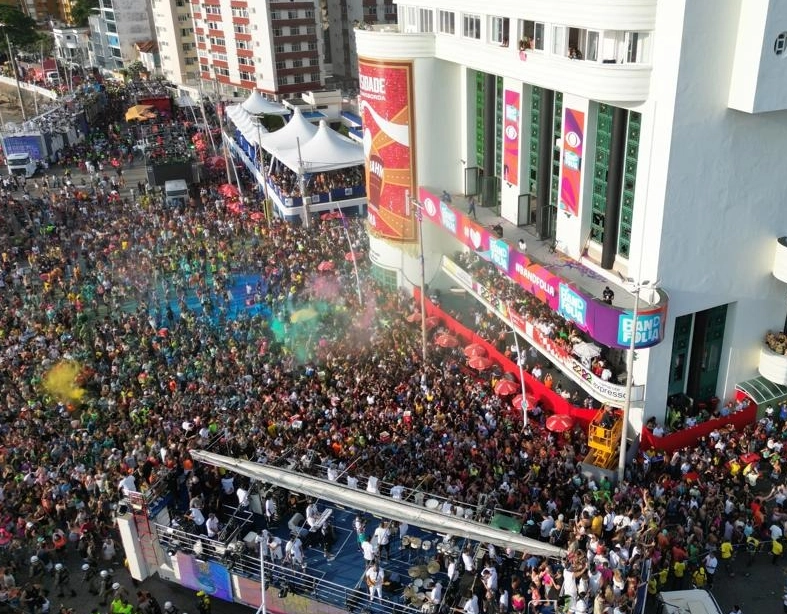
(773,361)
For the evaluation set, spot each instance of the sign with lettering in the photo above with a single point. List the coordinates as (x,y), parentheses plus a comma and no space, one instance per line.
(572,306)
(386,105)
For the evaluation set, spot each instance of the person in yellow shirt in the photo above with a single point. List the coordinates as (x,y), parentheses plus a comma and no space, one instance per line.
(699,578)
(776,551)
(679,571)
(726,551)
(663,576)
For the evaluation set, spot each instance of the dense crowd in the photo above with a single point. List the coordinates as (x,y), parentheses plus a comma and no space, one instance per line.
(286,181)
(179,327)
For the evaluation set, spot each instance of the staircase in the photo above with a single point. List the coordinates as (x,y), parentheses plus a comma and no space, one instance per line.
(604,443)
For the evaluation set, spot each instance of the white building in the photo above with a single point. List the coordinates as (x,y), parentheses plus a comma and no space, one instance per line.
(174,27)
(653,147)
(72,45)
(115,27)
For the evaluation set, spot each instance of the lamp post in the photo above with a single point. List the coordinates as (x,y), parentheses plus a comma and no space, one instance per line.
(519,364)
(16,71)
(420,217)
(262,609)
(637,287)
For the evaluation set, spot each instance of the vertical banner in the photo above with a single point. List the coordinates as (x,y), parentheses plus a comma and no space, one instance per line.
(386,112)
(206,576)
(571,164)
(511,137)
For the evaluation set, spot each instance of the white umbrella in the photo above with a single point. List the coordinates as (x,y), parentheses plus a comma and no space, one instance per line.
(587,351)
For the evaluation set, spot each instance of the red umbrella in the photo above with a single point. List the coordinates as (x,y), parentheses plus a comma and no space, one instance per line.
(506,387)
(414,317)
(446,341)
(215,161)
(480,363)
(325,265)
(228,190)
(558,423)
(432,322)
(475,349)
(531,399)
(353,256)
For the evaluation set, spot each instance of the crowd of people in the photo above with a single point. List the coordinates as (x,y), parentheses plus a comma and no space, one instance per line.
(286,180)
(130,335)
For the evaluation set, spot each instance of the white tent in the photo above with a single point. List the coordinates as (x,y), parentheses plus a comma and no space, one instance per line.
(326,151)
(245,122)
(185,100)
(298,128)
(257,104)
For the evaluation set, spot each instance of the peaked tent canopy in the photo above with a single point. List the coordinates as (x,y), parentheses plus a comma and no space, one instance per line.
(257,104)
(327,151)
(245,122)
(287,137)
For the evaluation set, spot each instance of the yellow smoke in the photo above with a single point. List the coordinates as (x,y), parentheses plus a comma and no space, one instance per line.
(61,382)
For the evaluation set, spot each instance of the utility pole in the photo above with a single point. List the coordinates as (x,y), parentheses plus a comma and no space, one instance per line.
(15,68)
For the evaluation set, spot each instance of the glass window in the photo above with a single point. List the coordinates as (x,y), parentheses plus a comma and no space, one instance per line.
(531,35)
(498,30)
(781,44)
(471,27)
(559,41)
(447,23)
(425,20)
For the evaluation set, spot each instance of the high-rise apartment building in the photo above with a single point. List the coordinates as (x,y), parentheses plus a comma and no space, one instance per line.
(174,27)
(115,29)
(274,46)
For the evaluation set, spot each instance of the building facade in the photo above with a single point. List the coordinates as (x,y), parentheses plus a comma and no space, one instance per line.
(115,28)
(72,45)
(273,46)
(174,27)
(628,139)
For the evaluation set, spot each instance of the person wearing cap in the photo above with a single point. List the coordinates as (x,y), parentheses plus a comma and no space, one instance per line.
(62,580)
(37,568)
(104,586)
(170,608)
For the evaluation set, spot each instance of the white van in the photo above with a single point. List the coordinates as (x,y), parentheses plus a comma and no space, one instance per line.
(695,601)
(176,192)
(52,77)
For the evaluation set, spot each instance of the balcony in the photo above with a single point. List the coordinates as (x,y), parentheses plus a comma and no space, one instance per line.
(773,361)
(780,260)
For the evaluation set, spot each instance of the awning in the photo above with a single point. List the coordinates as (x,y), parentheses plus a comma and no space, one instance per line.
(380,505)
(761,390)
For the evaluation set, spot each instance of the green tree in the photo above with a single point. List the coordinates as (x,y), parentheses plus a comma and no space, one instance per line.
(81,10)
(22,30)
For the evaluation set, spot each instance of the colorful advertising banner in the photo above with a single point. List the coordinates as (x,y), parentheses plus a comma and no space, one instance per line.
(386,103)
(511,137)
(571,164)
(605,323)
(206,576)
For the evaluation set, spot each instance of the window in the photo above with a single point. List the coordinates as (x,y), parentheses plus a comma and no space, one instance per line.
(370,11)
(279,48)
(315,77)
(186,31)
(220,70)
(214,25)
(471,26)
(298,63)
(309,14)
(212,10)
(310,30)
(218,41)
(637,47)
(296,47)
(283,80)
(292,14)
(298,79)
(246,76)
(447,23)
(312,46)
(240,12)
(242,44)
(275,15)
(278,32)
(111,27)
(531,35)
(240,28)
(498,30)
(559,46)
(184,18)
(583,44)
(425,20)
(245,61)
(186,46)
(281,64)
(222,57)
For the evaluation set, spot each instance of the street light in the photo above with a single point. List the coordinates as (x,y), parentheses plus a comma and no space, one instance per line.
(637,287)
(420,217)
(519,364)
(16,71)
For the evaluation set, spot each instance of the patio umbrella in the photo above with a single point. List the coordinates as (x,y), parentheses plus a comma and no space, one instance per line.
(506,387)
(228,190)
(531,399)
(353,256)
(475,349)
(558,423)
(480,363)
(216,162)
(432,322)
(414,317)
(587,351)
(138,112)
(446,341)
(325,265)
